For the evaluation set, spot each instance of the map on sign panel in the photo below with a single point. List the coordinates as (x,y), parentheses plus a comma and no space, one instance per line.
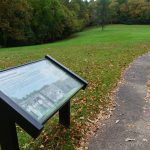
(39,88)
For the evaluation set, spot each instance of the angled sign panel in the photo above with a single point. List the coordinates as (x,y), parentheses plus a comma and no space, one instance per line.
(37,90)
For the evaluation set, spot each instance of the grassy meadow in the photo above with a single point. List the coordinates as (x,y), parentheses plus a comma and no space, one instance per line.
(97,56)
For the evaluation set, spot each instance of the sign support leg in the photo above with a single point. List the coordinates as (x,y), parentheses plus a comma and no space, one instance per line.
(8,139)
(64,115)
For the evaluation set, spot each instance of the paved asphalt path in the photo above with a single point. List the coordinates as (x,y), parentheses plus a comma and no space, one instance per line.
(129,126)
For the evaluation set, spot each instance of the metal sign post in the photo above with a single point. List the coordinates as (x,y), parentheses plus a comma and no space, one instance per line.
(64,115)
(8,133)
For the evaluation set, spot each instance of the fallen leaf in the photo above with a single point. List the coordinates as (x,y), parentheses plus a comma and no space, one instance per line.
(90,121)
(42,146)
(145,140)
(117,121)
(148,127)
(129,140)
(131,125)
(81,118)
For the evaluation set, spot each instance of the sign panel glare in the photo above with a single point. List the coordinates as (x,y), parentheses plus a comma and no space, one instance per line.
(39,88)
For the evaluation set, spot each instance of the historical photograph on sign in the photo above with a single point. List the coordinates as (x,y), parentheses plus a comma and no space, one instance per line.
(39,88)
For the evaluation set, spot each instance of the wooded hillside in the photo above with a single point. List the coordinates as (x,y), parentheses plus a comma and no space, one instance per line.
(25,22)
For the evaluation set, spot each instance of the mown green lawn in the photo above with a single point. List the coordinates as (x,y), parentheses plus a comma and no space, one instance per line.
(97,56)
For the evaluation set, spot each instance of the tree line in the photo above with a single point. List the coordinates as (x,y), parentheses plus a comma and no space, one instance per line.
(26,22)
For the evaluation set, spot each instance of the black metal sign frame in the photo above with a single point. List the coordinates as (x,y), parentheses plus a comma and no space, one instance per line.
(11,113)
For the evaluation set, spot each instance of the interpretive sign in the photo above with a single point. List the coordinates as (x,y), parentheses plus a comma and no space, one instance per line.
(34,92)
(39,88)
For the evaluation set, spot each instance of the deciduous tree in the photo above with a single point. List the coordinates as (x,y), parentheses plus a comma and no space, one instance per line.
(15,20)
(103,12)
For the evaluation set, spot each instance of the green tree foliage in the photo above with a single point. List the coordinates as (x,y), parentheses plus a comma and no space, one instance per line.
(15,20)
(92,12)
(113,9)
(65,2)
(134,12)
(38,21)
(48,23)
(79,9)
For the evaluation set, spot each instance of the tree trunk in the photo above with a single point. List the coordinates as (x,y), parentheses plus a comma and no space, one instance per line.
(4,38)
